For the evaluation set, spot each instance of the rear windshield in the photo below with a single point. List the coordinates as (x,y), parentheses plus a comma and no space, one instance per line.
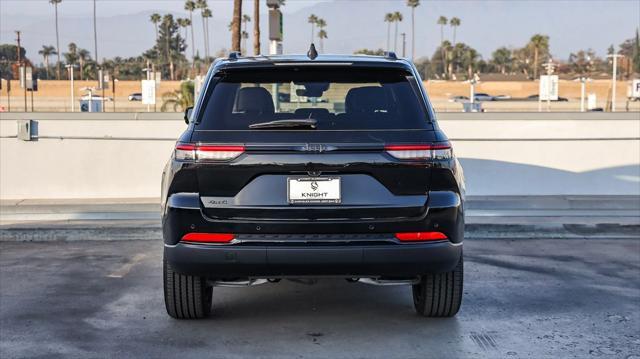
(337,99)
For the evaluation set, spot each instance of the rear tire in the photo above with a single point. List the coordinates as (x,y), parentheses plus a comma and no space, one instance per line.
(439,294)
(186,296)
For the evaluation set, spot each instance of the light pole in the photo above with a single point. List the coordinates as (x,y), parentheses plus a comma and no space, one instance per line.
(614,79)
(70,69)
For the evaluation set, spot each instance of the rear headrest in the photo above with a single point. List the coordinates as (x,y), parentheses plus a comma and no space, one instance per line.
(254,100)
(366,100)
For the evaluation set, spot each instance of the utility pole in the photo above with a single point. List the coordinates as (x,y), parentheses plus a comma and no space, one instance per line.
(614,80)
(70,69)
(23,71)
(404,43)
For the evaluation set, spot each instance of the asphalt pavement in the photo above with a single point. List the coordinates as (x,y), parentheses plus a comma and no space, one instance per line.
(571,298)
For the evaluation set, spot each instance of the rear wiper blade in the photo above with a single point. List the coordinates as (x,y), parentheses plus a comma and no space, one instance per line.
(306,122)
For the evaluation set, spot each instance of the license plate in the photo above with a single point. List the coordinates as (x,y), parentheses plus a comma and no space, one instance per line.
(313,190)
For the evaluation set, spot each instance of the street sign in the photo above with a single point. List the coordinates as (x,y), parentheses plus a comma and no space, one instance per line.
(28,76)
(549,87)
(149,92)
(635,89)
(591,101)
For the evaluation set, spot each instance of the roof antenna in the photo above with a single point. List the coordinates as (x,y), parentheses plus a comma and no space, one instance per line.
(312,53)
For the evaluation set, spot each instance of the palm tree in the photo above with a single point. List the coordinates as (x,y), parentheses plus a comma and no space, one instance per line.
(83,56)
(454,22)
(206,14)
(322,34)
(256,27)
(388,18)
(502,58)
(442,21)
(166,21)
(245,35)
(538,42)
(235,28)
(155,18)
(95,45)
(180,99)
(413,4)
(202,5)
(47,51)
(470,58)
(72,56)
(190,6)
(397,17)
(313,20)
(183,23)
(55,5)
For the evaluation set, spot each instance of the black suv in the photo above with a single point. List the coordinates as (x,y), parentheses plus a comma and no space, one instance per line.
(304,166)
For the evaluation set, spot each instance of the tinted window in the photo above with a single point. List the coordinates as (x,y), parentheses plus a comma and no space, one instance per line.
(336,98)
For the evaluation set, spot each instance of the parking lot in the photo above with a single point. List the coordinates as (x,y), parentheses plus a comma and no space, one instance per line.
(523,299)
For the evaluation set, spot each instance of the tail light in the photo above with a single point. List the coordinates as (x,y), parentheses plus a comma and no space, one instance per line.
(420,236)
(208,237)
(191,152)
(436,151)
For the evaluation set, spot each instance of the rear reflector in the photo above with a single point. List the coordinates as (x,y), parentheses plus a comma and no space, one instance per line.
(420,236)
(191,152)
(438,151)
(208,237)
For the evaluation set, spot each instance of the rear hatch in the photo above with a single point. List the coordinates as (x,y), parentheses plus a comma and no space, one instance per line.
(320,143)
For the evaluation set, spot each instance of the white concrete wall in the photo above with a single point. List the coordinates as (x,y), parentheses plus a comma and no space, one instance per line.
(122,155)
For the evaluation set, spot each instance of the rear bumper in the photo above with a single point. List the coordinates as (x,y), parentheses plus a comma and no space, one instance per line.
(259,261)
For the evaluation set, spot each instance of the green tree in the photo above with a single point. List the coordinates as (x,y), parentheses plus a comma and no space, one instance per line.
(245,34)
(389,18)
(8,56)
(169,47)
(202,5)
(454,22)
(442,21)
(190,6)
(178,100)
(378,52)
(413,4)
(313,20)
(47,51)
(55,5)
(71,57)
(502,59)
(155,19)
(83,57)
(322,33)
(540,45)
(397,18)
(582,62)
(206,15)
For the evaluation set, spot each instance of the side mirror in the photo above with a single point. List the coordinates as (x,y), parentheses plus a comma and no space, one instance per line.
(187,114)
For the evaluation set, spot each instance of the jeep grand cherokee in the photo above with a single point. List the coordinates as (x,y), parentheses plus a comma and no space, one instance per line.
(306,167)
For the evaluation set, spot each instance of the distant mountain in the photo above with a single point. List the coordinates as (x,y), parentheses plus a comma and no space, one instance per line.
(124,28)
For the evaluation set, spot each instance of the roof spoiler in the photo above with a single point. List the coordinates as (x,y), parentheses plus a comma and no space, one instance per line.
(390,55)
